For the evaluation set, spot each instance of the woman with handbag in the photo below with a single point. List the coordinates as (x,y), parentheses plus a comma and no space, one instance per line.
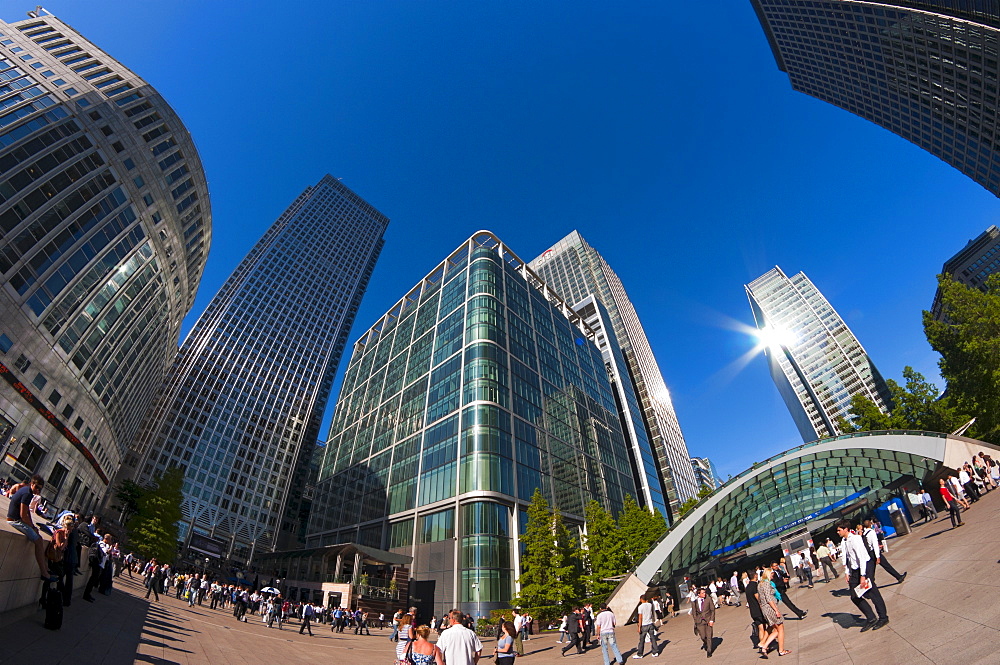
(406,636)
(421,651)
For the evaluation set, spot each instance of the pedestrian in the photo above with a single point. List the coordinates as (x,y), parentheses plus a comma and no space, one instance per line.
(587,624)
(647,629)
(875,547)
(405,635)
(928,503)
(779,577)
(825,557)
(504,651)
(394,637)
(703,613)
(754,606)
(806,567)
(99,558)
(768,594)
(307,614)
(862,588)
(153,580)
(604,624)
(954,509)
(573,620)
(562,630)
(458,644)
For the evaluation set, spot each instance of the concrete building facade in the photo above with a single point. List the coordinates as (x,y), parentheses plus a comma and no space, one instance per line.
(979,259)
(106,224)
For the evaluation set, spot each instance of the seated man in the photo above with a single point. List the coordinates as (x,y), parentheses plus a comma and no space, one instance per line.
(19,517)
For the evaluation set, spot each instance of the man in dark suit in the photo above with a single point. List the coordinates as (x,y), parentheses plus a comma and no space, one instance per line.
(703,613)
(780,580)
(573,621)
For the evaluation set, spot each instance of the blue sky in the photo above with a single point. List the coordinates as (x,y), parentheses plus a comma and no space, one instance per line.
(665,135)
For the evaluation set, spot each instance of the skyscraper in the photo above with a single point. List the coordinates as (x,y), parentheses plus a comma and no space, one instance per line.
(242,408)
(574,270)
(926,71)
(106,226)
(979,259)
(815,360)
(705,472)
(477,388)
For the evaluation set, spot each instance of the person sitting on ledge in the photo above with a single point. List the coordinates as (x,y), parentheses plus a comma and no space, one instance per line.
(19,517)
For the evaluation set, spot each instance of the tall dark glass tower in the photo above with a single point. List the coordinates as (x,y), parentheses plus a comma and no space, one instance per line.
(979,259)
(242,408)
(575,270)
(926,70)
(106,226)
(477,388)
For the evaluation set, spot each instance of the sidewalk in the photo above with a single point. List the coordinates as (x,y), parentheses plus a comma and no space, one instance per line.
(945,612)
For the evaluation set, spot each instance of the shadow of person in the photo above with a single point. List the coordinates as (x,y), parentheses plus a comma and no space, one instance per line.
(845,619)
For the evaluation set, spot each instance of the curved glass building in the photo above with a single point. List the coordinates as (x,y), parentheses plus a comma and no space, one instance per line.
(106,227)
(479,386)
(809,486)
(925,70)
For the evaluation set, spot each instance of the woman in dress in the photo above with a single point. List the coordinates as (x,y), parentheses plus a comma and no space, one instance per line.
(405,636)
(423,652)
(775,622)
(505,645)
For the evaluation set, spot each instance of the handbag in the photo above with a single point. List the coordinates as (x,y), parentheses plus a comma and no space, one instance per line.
(407,658)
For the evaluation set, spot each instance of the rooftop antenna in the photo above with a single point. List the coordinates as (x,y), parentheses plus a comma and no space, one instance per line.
(38,12)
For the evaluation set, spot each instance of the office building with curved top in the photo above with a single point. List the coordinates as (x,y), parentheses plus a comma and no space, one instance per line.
(242,408)
(925,70)
(815,360)
(575,270)
(106,224)
(478,387)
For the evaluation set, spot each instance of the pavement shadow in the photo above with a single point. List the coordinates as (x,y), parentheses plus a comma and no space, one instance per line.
(845,619)
(161,645)
(936,533)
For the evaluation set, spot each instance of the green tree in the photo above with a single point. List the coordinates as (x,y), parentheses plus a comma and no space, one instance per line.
(566,584)
(536,578)
(918,405)
(969,343)
(639,528)
(686,507)
(129,493)
(604,555)
(153,529)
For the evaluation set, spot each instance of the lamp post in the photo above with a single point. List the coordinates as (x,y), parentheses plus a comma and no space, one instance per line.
(479,611)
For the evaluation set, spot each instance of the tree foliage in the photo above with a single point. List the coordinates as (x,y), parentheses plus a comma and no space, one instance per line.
(536,576)
(640,529)
(129,493)
(605,550)
(918,405)
(686,507)
(968,340)
(152,530)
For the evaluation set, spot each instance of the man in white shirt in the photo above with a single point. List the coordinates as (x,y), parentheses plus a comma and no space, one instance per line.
(647,629)
(604,623)
(871,537)
(855,566)
(459,645)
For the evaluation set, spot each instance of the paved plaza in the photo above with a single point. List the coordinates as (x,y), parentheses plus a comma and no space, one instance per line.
(945,612)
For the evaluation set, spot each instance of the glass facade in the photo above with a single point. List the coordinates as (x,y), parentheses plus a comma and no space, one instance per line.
(979,259)
(815,360)
(925,70)
(810,485)
(106,223)
(478,387)
(575,270)
(242,409)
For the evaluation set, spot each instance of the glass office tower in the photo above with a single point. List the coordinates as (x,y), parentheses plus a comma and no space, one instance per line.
(979,259)
(575,270)
(926,71)
(815,360)
(477,387)
(106,226)
(242,409)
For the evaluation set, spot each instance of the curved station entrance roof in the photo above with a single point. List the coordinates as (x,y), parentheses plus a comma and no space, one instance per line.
(806,486)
